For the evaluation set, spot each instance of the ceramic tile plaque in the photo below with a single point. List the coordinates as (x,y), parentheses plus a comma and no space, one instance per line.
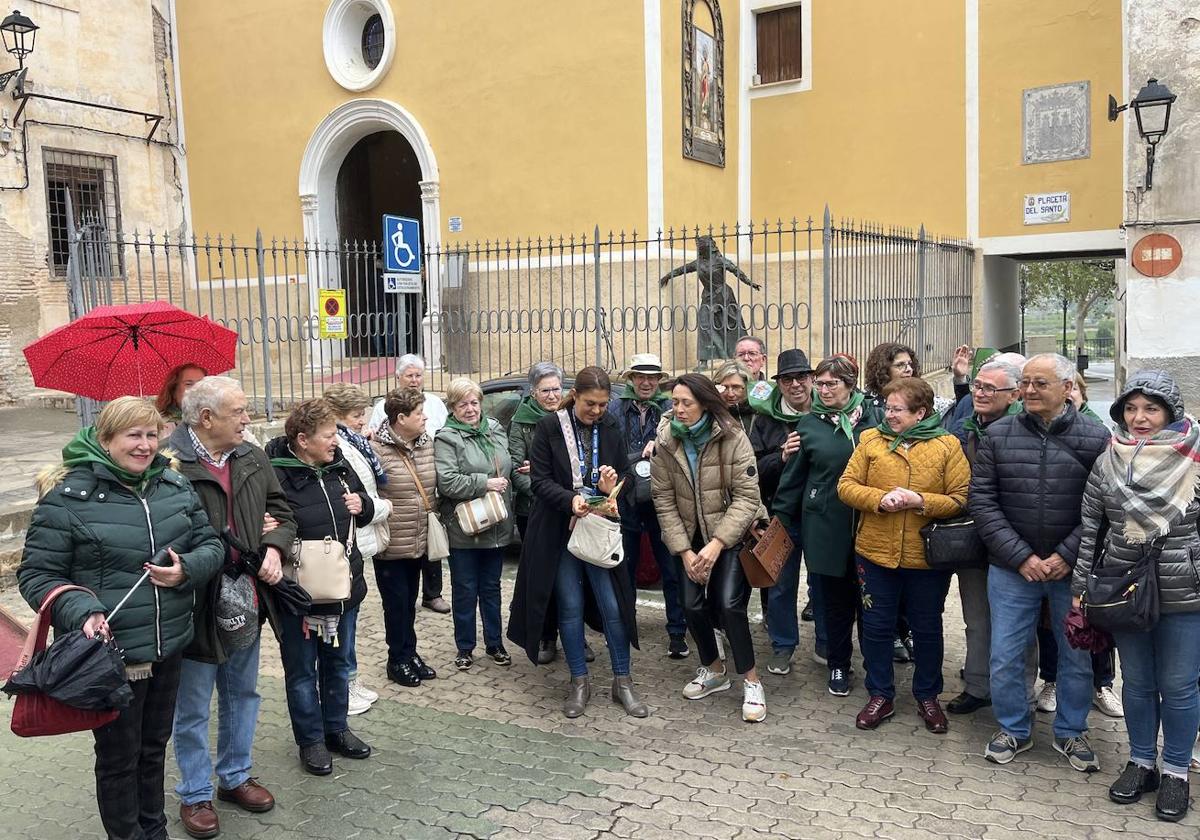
(1056,123)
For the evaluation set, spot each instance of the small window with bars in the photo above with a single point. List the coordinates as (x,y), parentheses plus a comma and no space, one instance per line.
(373,41)
(780,45)
(82,188)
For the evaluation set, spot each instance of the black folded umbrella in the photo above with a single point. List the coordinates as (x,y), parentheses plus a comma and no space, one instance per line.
(80,672)
(288,594)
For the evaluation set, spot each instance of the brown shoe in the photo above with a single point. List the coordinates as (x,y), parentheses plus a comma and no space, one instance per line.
(249,796)
(931,712)
(200,820)
(877,710)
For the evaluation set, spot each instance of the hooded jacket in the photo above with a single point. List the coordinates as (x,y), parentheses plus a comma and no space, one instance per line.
(256,491)
(1178,565)
(1027,485)
(90,529)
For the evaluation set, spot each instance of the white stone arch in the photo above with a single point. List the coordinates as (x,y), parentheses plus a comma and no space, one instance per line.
(324,154)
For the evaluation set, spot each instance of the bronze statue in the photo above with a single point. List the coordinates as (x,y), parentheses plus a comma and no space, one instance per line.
(720,318)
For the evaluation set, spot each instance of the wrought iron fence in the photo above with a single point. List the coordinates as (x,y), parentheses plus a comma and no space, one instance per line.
(489,310)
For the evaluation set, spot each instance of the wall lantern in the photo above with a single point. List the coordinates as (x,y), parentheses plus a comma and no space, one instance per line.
(1152,108)
(19,34)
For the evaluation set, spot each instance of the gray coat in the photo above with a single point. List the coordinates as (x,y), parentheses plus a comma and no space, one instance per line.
(463,470)
(1179,562)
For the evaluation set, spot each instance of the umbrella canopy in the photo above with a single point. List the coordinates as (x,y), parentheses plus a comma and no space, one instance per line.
(116,351)
(80,672)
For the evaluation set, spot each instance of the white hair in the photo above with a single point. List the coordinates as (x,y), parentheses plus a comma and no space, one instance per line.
(210,393)
(1014,359)
(409,360)
(1011,372)
(1063,368)
(541,370)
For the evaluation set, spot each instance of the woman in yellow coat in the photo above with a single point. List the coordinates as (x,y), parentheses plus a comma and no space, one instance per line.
(902,474)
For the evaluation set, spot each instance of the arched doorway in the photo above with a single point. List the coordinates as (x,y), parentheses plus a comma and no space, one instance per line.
(380,174)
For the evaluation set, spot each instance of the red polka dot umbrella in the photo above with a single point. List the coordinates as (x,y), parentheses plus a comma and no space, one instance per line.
(115,351)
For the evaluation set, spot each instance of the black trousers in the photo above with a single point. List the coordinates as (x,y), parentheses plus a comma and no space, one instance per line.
(550,622)
(843,610)
(726,595)
(398,582)
(431,579)
(130,755)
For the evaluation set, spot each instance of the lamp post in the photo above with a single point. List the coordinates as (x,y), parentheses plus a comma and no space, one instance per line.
(19,34)
(1152,109)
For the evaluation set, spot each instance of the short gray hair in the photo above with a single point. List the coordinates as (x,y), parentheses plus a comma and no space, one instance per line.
(1011,372)
(1014,359)
(762,345)
(541,370)
(409,360)
(210,393)
(1063,368)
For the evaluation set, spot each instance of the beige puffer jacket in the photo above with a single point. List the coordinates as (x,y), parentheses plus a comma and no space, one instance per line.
(408,520)
(727,493)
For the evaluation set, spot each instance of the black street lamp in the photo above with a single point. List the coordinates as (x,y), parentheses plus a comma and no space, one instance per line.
(19,34)
(1152,108)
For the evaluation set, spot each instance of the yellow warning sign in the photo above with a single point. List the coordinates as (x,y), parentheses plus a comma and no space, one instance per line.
(332,317)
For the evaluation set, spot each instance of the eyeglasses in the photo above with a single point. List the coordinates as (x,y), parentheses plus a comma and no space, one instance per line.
(790,379)
(827,384)
(749,354)
(896,409)
(988,390)
(902,365)
(1038,384)
(545,392)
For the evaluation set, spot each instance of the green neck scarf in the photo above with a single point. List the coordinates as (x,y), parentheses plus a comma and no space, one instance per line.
(528,412)
(291,462)
(479,433)
(972,424)
(841,414)
(696,433)
(85,448)
(630,394)
(927,429)
(771,405)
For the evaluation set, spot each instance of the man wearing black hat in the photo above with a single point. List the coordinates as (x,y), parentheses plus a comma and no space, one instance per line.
(774,441)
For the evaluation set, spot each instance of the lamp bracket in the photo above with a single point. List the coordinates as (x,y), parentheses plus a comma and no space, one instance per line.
(1114,108)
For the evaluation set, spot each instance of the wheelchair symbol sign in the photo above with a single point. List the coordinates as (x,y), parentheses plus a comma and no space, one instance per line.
(401,244)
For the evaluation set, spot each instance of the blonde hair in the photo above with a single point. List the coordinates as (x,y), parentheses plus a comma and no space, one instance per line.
(731,368)
(125,413)
(1081,385)
(345,398)
(459,389)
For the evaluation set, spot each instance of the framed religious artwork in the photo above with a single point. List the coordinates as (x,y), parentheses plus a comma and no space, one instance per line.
(703,82)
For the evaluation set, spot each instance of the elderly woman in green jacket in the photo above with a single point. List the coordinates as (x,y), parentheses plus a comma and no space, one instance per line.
(471,455)
(113,503)
(821,525)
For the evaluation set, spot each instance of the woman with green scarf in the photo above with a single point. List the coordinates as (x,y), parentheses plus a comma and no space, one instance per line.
(111,505)
(903,473)
(820,524)
(704,482)
(471,455)
(545,395)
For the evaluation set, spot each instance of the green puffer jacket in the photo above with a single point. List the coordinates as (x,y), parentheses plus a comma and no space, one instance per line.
(462,473)
(91,530)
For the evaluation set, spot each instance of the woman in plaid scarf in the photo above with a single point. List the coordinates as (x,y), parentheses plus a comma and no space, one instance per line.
(1145,485)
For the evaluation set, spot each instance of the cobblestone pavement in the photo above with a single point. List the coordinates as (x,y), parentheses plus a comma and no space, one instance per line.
(487,754)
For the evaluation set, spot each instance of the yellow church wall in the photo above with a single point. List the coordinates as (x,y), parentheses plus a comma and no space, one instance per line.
(1031,43)
(882,132)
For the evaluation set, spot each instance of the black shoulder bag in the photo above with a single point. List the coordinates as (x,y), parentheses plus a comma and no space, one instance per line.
(1124,601)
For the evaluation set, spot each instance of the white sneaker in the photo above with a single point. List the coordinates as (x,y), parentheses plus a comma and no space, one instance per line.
(360,699)
(754,702)
(1047,699)
(1107,701)
(706,682)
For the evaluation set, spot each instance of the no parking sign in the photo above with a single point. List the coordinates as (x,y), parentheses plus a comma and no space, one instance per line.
(332,313)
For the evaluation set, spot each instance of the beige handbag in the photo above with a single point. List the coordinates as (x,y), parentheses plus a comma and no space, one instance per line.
(597,540)
(437,541)
(322,567)
(477,515)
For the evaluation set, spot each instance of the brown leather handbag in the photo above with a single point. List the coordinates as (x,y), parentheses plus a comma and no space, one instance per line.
(763,559)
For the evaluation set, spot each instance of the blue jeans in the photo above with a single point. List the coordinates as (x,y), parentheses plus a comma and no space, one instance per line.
(475,580)
(923,595)
(646,521)
(236,681)
(568,593)
(1016,606)
(1160,669)
(316,677)
(783,622)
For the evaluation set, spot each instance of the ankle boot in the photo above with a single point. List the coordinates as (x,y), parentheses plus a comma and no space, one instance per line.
(622,692)
(578,694)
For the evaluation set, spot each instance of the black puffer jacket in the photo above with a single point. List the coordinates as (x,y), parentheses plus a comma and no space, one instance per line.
(313,501)
(1179,562)
(1027,483)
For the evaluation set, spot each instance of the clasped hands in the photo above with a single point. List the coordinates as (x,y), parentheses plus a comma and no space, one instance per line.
(608,480)
(699,564)
(901,498)
(1036,570)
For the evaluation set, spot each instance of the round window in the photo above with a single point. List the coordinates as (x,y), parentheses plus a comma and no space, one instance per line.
(359,42)
(372,41)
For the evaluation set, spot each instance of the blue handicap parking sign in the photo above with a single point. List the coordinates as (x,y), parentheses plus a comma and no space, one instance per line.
(401,244)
